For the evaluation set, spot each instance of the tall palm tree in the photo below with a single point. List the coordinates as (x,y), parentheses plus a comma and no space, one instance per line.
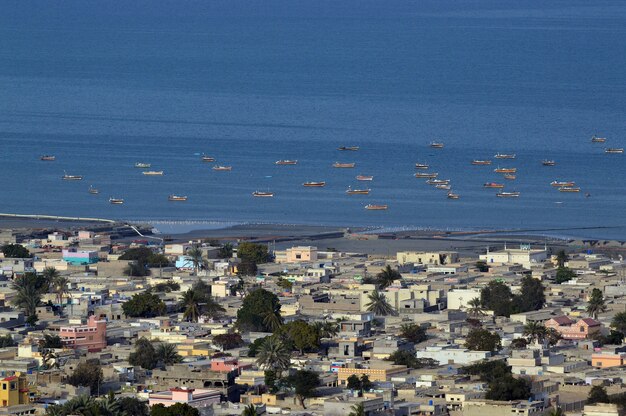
(475,308)
(250,410)
(596,303)
(619,322)
(535,331)
(190,303)
(387,276)
(379,305)
(274,354)
(195,256)
(59,287)
(49,274)
(211,308)
(28,290)
(272,320)
(357,410)
(167,354)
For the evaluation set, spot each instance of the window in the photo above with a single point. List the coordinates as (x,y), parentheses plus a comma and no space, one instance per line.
(4,386)
(582,329)
(13,386)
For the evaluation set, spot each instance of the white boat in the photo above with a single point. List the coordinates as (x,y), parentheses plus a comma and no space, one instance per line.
(259,194)
(364,178)
(222,168)
(142,165)
(67,177)
(93,190)
(508,194)
(614,150)
(505,155)
(286,162)
(116,201)
(436,145)
(176,198)
(373,207)
(153,172)
(343,165)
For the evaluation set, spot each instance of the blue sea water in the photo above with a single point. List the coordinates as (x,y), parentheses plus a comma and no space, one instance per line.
(103,85)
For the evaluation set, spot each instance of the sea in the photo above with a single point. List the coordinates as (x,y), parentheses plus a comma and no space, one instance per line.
(102,85)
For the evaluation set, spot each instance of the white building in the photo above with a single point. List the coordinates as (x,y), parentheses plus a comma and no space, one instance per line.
(524,256)
(458,298)
(452,354)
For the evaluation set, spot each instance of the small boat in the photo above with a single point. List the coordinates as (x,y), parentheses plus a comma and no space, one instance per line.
(595,139)
(153,172)
(116,201)
(314,184)
(547,162)
(373,207)
(343,165)
(67,177)
(436,145)
(350,148)
(493,185)
(505,170)
(421,166)
(286,162)
(93,190)
(452,195)
(508,194)
(351,191)
(364,178)
(142,165)
(560,184)
(426,175)
(222,168)
(48,158)
(614,150)
(445,187)
(263,194)
(438,181)
(176,198)
(208,159)
(505,156)
(569,189)
(481,162)
(510,177)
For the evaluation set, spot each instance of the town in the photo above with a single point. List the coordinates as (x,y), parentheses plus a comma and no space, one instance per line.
(96,321)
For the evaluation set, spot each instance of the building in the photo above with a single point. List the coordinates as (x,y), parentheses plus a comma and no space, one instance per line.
(297,255)
(452,354)
(193,397)
(608,359)
(458,298)
(603,409)
(91,336)
(425,257)
(78,257)
(503,408)
(14,390)
(524,256)
(581,329)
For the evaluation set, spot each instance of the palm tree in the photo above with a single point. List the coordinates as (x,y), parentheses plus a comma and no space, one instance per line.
(190,302)
(59,287)
(556,411)
(195,256)
(357,410)
(273,320)
(475,308)
(274,354)
(326,329)
(250,410)
(211,308)
(535,331)
(167,354)
(387,276)
(619,322)
(28,290)
(49,274)
(596,303)
(379,305)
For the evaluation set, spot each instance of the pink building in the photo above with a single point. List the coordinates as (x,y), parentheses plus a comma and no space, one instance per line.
(91,336)
(228,364)
(193,397)
(581,329)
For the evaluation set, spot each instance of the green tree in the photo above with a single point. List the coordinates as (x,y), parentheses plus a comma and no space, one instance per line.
(353,382)
(144,355)
(488,371)
(561,258)
(508,388)
(144,305)
(302,335)
(88,374)
(379,305)
(497,296)
(535,331)
(619,322)
(228,341)
(226,251)
(284,284)
(138,254)
(597,394)
(177,409)
(413,333)
(532,295)
(357,410)
(28,291)
(260,311)
(58,284)
(552,337)
(247,268)
(326,329)
(256,253)
(408,358)
(304,383)
(7,341)
(564,274)
(249,410)
(596,303)
(15,251)
(255,345)
(274,354)
(482,266)
(482,340)
(519,344)
(197,301)
(136,270)
(131,406)
(158,260)
(50,341)
(167,354)
(475,308)
(196,257)
(165,287)
(387,276)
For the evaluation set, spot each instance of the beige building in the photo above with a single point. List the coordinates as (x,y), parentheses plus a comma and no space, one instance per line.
(603,409)
(524,256)
(427,257)
(297,255)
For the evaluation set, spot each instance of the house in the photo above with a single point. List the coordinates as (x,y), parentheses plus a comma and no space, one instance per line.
(451,354)
(606,359)
(91,336)
(197,398)
(79,257)
(297,255)
(14,390)
(582,329)
(524,256)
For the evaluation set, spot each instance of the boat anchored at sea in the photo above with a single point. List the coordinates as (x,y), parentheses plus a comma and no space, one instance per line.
(373,207)
(259,194)
(116,201)
(142,165)
(314,184)
(348,148)
(153,173)
(208,158)
(48,158)
(493,185)
(547,162)
(560,184)
(426,175)
(438,181)
(595,139)
(510,177)
(351,191)
(505,156)
(364,178)
(436,145)
(93,190)
(67,177)
(505,170)
(222,168)
(614,150)
(177,198)
(421,166)
(569,189)
(508,194)
(481,162)
(452,195)
(343,165)
(286,162)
